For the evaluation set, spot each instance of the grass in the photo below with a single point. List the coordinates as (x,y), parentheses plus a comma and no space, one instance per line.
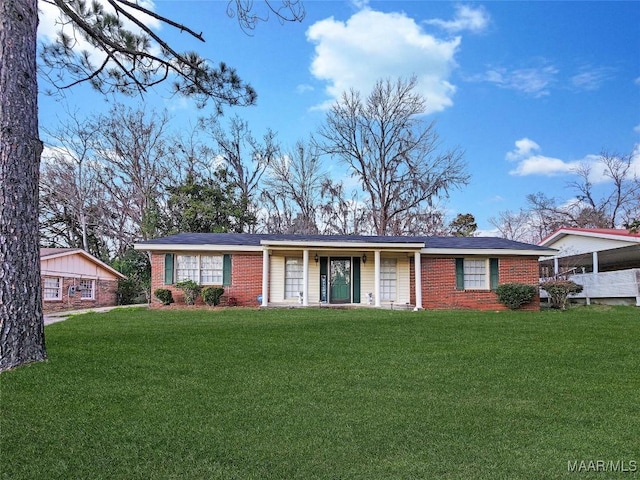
(354,394)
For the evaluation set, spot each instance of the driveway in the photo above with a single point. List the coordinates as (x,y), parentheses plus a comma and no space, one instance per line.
(55,317)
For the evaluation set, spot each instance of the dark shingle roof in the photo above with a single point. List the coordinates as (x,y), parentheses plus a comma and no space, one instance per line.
(248,239)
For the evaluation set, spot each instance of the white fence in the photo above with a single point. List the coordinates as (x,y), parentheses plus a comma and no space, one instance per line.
(607,285)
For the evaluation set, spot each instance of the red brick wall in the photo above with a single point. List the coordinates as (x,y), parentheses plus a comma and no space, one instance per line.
(246,280)
(439,284)
(105,295)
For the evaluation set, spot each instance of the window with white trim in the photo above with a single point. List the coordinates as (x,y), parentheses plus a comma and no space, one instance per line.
(475,274)
(202,269)
(293,277)
(211,269)
(87,289)
(388,279)
(52,288)
(187,268)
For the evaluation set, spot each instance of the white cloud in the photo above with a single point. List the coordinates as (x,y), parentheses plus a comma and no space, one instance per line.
(532,163)
(524,148)
(360,4)
(534,81)
(373,45)
(541,165)
(475,20)
(591,79)
(303,88)
(637,128)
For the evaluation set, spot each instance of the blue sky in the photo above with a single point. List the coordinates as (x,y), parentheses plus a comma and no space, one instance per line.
(528,90)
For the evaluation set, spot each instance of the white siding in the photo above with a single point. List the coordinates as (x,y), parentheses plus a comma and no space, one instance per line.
(576,245)
(404,279)
(276,278)
(74,266)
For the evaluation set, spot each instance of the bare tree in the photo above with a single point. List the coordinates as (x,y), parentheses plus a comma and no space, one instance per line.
(391,150)
(515,226)
(297,177)
(71,197)
(245,158)
(133,62)
(619,203)
(341,214)
(135,167)
(615,202)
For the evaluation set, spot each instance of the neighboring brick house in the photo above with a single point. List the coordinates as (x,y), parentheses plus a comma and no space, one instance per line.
(280,270)
(74,279)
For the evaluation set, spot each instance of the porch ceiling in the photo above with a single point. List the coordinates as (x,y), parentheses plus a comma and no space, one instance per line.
(615,259)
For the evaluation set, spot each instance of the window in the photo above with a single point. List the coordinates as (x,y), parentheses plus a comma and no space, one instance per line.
(203,269)
(211,269)
(292,277)
(476,274)
(87,290)
(187,268)
(52,288)
(388,279)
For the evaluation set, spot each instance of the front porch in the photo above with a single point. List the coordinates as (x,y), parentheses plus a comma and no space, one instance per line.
(347,274)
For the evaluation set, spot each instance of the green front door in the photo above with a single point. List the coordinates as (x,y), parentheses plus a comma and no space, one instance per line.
(340,280)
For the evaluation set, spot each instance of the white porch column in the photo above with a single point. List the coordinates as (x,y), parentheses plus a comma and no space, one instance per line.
(556,267)
(418,279)
(305,278)
(376,265)
(594,256)
(265,277)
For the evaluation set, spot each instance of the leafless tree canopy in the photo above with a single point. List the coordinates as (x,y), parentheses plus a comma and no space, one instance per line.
(615,203)
(392,151)
(294,179)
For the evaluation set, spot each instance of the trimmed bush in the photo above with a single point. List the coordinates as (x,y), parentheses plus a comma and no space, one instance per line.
(211,295)
(191,291)
(164,295)
(514,295)
(559,290)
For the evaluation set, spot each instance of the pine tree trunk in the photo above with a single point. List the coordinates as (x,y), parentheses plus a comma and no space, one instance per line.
(21,317)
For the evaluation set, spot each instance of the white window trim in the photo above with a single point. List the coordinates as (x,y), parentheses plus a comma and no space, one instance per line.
(93,289)
(487,274)
(296,294)
(198,269)
(60,285)
(385,281)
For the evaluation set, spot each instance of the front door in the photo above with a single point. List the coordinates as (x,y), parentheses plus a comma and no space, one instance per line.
(340,280)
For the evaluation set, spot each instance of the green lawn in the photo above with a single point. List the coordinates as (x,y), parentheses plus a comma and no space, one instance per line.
(319,393)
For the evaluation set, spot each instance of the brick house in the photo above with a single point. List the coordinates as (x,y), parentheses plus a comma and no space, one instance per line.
(311,270)
(75,279)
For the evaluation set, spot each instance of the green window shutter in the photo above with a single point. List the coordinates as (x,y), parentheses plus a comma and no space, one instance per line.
(168,269)
(493,273)
(356,279)
(459,273)
(226,269)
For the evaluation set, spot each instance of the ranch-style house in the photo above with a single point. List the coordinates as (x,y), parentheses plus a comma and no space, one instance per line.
(316,270)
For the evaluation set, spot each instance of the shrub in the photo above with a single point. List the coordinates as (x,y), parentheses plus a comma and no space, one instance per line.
(514,295)
(164,295)
(211,295)
(559,290)
(191,291)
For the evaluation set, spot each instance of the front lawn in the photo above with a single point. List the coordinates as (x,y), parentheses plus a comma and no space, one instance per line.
(320,393)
